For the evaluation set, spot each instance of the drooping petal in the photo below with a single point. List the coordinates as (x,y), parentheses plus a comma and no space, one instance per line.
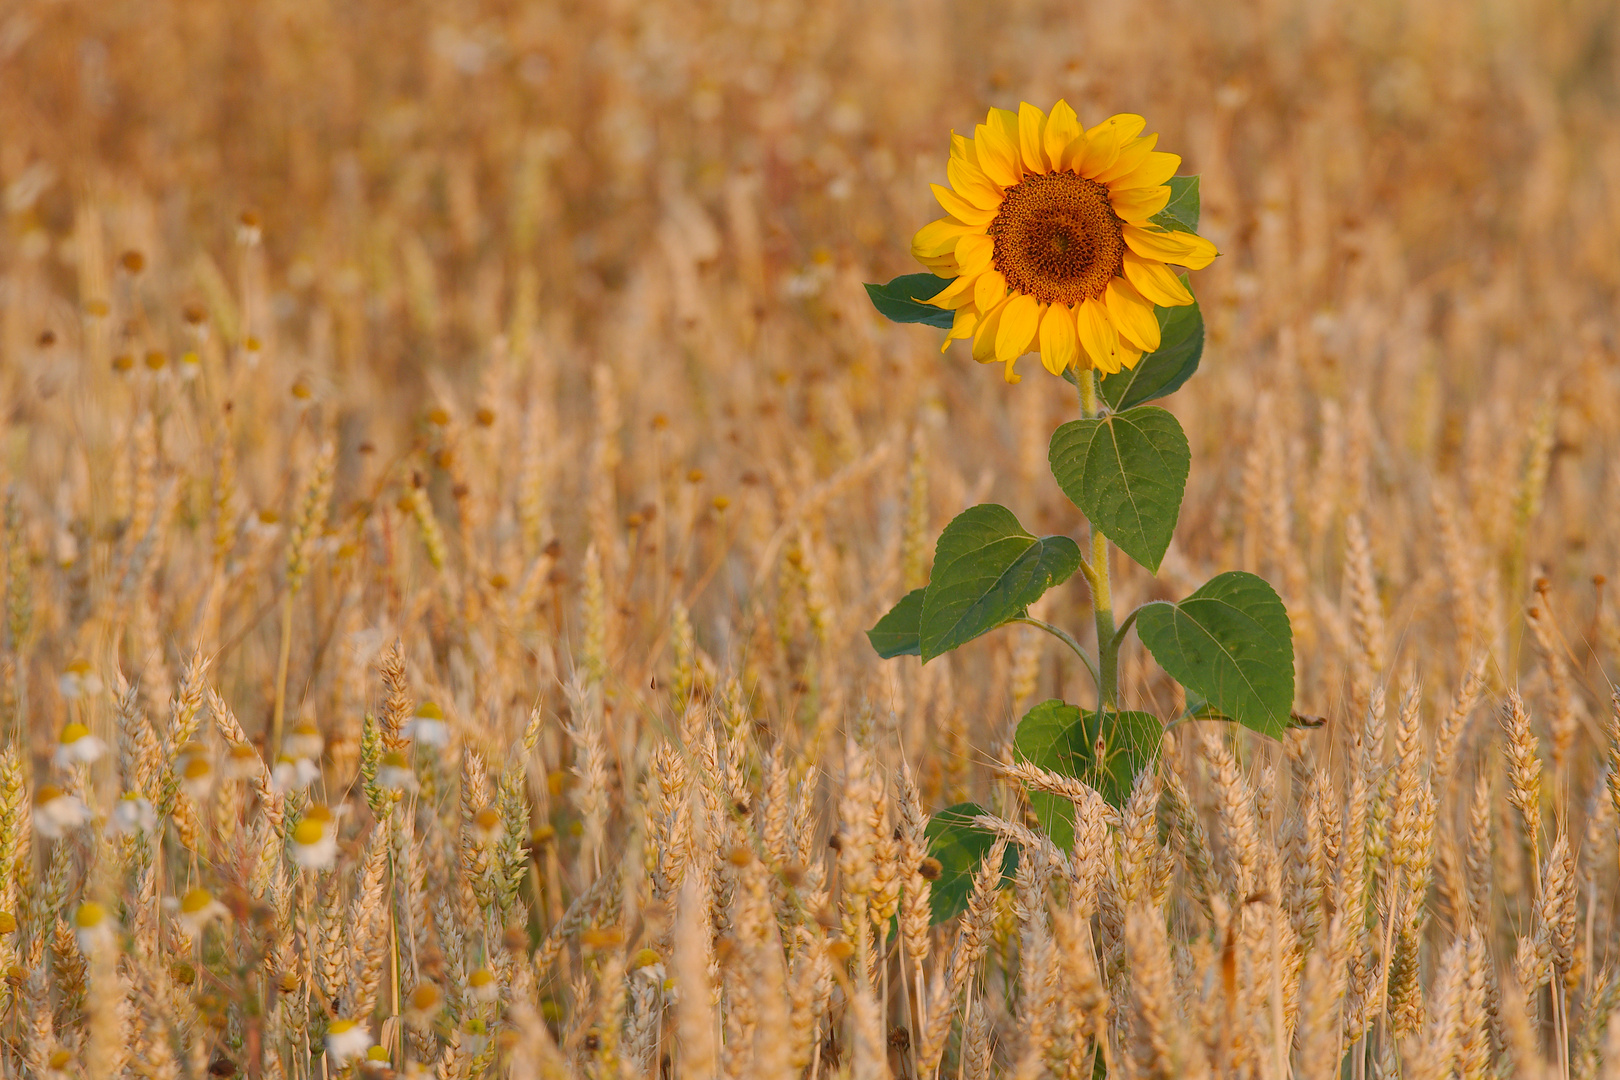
(1019,323)
(939,238)
(969,181)
(960,209)
(1097,335)
(989,290)
(1200,252)
(1131,155)
(998,155)
(973,254)
(984,334)
(1183,248)
(1031,125)
(1060,347)
(944,266)
(1158,168)
(1132,315)
(957,294)
(1062,128)
(1129,356)
(1156,281)
(1136,205)
(962,327)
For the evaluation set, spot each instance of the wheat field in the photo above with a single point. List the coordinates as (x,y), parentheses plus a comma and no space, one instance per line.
(449,464)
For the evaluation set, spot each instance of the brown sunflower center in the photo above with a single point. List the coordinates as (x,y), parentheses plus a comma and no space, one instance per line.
(1057,238)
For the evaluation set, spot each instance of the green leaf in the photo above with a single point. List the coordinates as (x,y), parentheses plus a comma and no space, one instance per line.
(1127,473)
(1063,739)
(987,571)
(960,846)
(1161,372)
(896,633)
(1231,644)
(899,300)
(1181,212)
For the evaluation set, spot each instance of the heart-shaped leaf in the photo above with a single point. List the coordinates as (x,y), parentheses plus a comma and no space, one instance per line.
(960,846)
(1181,212)
(896,633)
(987,571)
(900,300)
(1063,739)
(1161,372)
(1126,472)
(1231,645)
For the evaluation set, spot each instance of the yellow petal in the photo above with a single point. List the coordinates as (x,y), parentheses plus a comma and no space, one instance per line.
(1183,248)
(1062,128)
(1132,315)
(984,334)
(1131,155)
(939,238)
(1138,204)
(970,182)
(960,209)
(1129,355)
(1059,346)
(1129,125)
(1069,160)
(989,290)
(966,319)
(1019,322)
(1158,168)
(944,266)
(1031,123)
(957,294)
(963,148)
(998,155)
(974,253)
(1012,377)
(1098,153)
(1200,252)
(1156,281)
(1103,143)
(1097,335)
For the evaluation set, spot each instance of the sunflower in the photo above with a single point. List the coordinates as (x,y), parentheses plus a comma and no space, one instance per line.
(1049,238)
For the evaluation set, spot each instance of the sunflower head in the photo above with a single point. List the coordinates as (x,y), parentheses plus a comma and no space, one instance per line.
(1050,238)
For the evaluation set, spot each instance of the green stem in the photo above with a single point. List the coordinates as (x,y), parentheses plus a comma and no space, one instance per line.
(1063,636)
(1102,597)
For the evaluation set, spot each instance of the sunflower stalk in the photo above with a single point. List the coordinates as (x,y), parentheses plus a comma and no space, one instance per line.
(1096,574)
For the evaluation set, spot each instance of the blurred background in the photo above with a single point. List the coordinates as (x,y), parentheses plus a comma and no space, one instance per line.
(556,278)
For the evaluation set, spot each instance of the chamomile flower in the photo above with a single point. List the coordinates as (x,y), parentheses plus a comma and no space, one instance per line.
(95,927)
(395,773)
(198,908)
(347,1041)
(55,812)
(487,826)
(77,746)
(483,985)
(133,813)
(196,771)
(314,839)
(305,741)
(423,1005)
(293,774)
(427,726)
(79,680)
(242,762)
